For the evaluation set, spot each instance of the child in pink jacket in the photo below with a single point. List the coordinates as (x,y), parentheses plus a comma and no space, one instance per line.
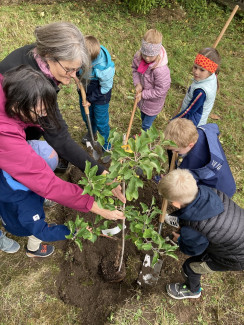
(151,77)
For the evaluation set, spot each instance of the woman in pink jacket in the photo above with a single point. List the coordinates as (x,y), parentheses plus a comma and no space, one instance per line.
(26,99)
(151,77)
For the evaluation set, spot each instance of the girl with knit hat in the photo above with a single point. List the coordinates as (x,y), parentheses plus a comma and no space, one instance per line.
(200,96)
(151,77)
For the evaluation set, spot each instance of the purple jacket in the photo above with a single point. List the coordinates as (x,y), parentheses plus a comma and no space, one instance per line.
(155,83)
(20,161)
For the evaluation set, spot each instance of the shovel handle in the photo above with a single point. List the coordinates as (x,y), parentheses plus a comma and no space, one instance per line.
(83,94)
(131,120)
(226,26)
(165,201)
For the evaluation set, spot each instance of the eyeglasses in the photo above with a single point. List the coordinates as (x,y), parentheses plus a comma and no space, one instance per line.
(68,71)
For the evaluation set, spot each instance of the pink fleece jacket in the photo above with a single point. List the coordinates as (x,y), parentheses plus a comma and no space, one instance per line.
(155,83)
(19,160)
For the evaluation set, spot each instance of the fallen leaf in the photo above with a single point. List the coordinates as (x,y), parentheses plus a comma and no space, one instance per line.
(215,116)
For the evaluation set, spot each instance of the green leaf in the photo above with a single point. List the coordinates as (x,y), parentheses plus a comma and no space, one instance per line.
(155,258)
(114,167)
(147,168)
(100,139)
(147,246)
(70,236)
(87,190)
(87,168)
(147,233)
(79,244)
(97,219)
(171,254)
(92,172)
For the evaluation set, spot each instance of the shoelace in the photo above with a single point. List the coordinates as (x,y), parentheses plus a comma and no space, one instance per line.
(44,249)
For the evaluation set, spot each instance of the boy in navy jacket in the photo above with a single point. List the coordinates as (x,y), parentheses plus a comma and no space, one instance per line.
(98,92)
(201,152)
(211,230)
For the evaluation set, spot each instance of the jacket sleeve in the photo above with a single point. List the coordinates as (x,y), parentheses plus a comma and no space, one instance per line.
(20,161)
(161,84)
(191,242)
(194,110)
(135,74)
(66,147)
(105,78)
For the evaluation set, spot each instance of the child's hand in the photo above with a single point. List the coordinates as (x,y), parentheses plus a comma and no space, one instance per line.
(176,236)
(138,96)
(138,88)
(86,104)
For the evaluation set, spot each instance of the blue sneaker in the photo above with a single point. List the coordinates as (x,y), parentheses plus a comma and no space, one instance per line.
(8,245)
(43,251)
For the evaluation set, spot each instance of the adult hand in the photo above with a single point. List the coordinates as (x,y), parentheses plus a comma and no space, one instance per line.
(117,191)
(107,214)
(176,236)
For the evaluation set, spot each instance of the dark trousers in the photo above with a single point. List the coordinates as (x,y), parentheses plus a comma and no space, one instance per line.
(195,266)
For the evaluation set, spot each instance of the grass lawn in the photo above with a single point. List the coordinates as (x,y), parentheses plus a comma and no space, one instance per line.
(27,287)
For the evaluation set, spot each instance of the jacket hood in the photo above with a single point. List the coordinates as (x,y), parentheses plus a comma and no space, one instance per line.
(163,58)
(206,205)
(103,60)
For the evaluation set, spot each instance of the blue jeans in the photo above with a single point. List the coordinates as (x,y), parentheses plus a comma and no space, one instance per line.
(147,121)
(99,120)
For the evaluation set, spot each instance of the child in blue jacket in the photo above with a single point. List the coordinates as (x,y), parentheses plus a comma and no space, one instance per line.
(98,92)
(200,97)
(201,152)
(211,231)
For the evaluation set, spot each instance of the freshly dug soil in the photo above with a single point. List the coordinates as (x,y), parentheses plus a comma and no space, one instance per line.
(88,279)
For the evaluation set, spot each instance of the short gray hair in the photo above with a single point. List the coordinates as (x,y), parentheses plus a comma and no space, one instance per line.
(62,41)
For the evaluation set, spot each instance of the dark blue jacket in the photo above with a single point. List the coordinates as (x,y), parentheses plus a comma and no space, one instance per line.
(207,161)
(22,212)
(213,224)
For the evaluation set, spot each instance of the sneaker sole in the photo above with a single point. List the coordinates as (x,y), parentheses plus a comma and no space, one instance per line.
(186,297)
(10,252)
(38,256)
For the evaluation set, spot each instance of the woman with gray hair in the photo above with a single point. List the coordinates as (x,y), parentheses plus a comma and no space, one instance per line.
(59,52)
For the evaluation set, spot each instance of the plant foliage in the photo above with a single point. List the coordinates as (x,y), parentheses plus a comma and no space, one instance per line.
(145,153)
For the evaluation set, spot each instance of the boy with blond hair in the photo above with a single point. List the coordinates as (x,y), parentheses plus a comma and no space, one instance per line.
(98,90)
(211,231)
(202,154)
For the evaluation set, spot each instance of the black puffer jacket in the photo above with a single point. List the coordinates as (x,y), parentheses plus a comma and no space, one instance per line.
(218,224)
(59,139)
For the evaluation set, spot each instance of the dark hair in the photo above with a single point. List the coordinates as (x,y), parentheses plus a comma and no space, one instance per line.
(24,89)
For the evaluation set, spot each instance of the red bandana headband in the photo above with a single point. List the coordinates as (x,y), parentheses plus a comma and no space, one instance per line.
(206,63)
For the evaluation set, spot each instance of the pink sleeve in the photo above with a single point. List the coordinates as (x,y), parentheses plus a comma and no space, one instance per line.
(19,160)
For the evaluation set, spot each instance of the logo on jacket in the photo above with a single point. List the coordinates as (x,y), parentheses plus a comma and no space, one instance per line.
(216,165)
(36,217)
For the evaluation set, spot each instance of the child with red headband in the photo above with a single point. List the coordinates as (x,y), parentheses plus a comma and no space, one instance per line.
(151,77)
(200,97)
